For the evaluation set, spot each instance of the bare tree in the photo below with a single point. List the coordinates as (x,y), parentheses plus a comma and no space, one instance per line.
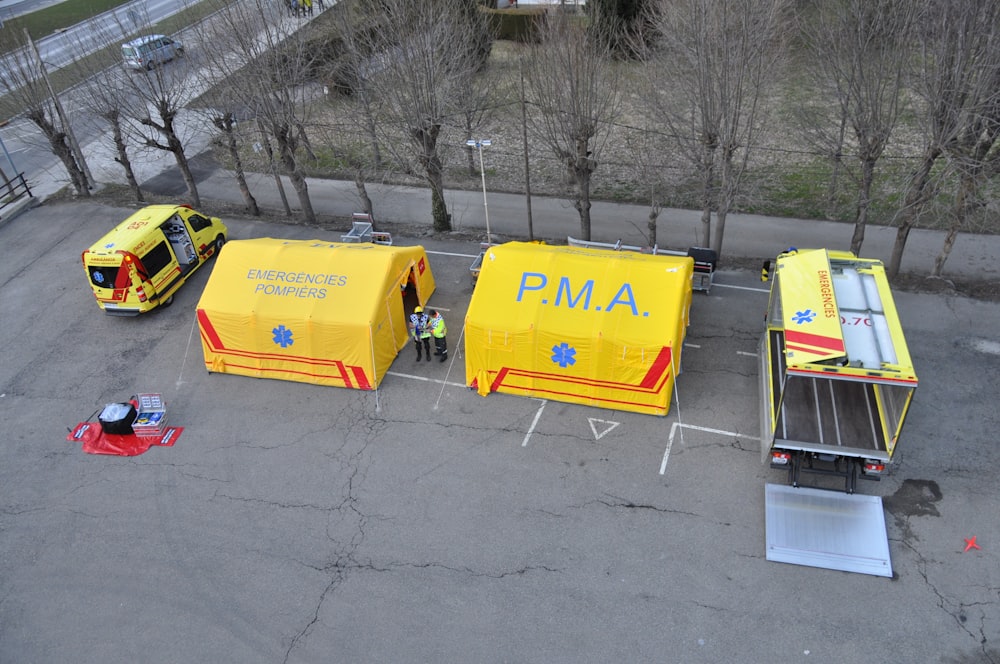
(858,52)
(956,80)
(106,97)
(721,56)
(353,64)
(425,57)
(352,132)
(225,122)
(975,160)
(161,94)
(23,84)
(270,70)
(573,84)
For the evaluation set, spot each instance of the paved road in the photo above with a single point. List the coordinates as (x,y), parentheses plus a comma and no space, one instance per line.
(293,523)
(13,8)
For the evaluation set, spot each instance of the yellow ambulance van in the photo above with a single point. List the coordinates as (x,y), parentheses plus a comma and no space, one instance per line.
(141,263)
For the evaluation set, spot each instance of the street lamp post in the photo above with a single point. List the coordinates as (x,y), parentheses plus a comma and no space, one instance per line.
(479,144)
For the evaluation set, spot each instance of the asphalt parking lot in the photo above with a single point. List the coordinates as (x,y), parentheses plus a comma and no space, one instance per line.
(424,523)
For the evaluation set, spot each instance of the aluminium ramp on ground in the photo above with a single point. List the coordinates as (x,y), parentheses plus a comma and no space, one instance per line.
(827,529)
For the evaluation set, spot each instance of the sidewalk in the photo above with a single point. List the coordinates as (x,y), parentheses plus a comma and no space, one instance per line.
(974,257)
(746,236)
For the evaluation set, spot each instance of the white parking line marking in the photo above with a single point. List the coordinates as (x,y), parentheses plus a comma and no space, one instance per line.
(423,378)
(448,253)
(677,426)
(755,290)
(743,352)
(534,422)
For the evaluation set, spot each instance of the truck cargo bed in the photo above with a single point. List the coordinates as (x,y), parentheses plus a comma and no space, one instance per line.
(824,415)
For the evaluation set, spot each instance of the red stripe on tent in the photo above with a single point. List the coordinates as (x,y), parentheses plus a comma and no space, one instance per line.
(209,331)
(259,370)
(817,340)
(293,359)
(594,399)
(506,373)
(498,381)
(590,382)
(659,365)
(361,378)
(343,374)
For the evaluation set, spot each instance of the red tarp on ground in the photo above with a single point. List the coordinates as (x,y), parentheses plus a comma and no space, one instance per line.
(95,441)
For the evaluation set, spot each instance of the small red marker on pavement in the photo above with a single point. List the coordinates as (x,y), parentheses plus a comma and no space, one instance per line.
(971,543)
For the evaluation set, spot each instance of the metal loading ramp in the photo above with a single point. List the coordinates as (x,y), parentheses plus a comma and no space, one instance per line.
(827,529)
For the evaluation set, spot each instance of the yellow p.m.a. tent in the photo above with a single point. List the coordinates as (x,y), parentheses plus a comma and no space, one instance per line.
(310,311)
(589,326)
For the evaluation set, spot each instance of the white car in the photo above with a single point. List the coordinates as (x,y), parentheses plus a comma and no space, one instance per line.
(149,51)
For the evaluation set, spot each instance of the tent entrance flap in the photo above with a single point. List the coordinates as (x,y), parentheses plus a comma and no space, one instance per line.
(826,529)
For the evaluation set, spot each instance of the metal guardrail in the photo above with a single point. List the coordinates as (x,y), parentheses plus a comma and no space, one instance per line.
(13,190)
(705,260)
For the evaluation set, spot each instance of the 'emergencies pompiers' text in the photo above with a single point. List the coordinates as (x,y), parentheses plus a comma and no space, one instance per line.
(294,284)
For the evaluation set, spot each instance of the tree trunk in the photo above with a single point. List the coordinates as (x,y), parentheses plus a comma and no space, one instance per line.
(582,167)
(175,147)
(439,209)
(121,151)
(966,190)
(371,128)
(185,167)
(864,202)
(707,180)
(838,160)
(274,169)
(241,178)
(359,184)
(304,142)
(225,123)
(61,149)
(471,156)
(76,175)
(727,192)
(425,139)
(652,217)
(582,203)
(286,153)
(916,196)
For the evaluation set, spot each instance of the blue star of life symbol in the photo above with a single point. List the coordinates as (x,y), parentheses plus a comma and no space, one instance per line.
(282,336)
(562,355)
(804,316)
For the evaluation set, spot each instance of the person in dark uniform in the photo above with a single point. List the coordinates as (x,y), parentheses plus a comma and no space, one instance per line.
(420,330)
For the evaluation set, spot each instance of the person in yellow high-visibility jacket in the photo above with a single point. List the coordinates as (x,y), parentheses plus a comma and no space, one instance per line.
(440,332)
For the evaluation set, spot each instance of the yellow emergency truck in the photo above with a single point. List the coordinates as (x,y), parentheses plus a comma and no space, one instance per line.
(836,382)
(141,263)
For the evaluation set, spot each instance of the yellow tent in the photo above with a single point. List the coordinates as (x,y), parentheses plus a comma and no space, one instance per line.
(590,326)
(310,311)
